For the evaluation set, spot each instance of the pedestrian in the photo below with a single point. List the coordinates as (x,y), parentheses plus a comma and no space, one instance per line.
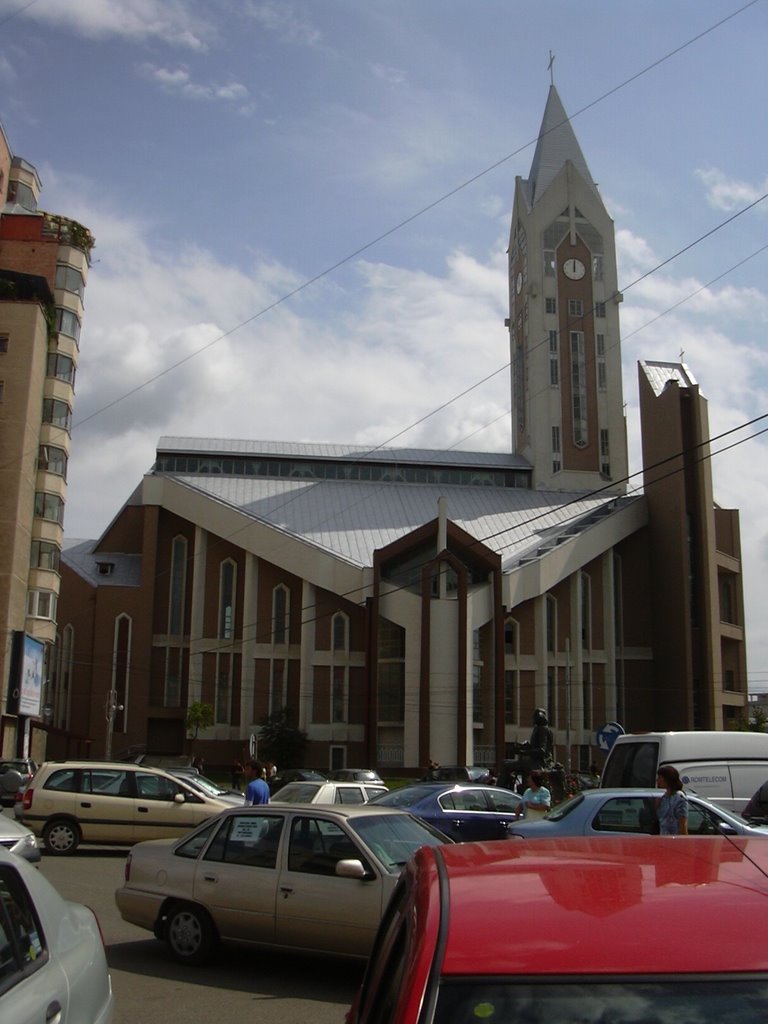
(237,774)
(537,799)
(257,791)
(672,808)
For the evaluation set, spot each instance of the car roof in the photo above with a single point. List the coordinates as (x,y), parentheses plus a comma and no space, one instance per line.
(632,906)
(343,810)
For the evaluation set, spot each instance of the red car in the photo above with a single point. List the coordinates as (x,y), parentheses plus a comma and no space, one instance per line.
(641,930)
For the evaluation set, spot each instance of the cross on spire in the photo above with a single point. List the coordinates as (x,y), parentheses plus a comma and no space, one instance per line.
(550,68)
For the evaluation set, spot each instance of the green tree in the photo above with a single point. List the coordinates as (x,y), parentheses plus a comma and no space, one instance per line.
(199,716)
(281,740)
(755,720)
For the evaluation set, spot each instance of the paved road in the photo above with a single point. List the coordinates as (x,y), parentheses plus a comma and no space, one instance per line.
(240,986)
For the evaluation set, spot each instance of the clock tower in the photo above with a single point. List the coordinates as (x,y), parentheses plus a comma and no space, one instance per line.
(567,400)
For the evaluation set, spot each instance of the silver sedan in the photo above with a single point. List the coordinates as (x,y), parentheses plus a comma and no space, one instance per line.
(18,839)
(628,812)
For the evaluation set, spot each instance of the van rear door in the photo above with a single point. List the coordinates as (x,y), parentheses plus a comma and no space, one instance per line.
(631,763)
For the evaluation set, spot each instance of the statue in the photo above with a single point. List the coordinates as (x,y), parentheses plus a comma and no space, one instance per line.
(534,754)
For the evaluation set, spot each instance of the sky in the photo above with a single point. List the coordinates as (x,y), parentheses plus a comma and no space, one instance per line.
(301,211)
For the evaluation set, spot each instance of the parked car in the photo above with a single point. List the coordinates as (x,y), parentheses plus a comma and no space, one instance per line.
(598,932)
(315,880)
(328,792)
(15,774)
(19,839)
(457,773)
(52,961)
(207,786)
(354,775)
(463,811)
(627,812)
(282,778)
(73,802)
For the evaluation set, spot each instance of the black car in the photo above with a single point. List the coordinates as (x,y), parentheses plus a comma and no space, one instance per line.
(458,773)
(282,778)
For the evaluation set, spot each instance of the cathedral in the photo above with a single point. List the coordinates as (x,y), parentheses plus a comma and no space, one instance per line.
(409,605)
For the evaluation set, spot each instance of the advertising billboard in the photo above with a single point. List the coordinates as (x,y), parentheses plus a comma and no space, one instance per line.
(25,683)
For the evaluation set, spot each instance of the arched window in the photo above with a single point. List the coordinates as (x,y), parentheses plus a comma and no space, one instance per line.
(227,577)
(280,614)
(340,631)
(178,580)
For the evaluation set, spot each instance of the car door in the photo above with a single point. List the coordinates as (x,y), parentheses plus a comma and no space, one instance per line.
(105,805)
(237,877)
(166,808)
(469,816)
(317,909)
(33,986)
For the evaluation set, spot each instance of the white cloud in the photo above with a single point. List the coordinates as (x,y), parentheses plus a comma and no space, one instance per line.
(179,80)
(390,75)
(283,20)
(724,193)
(168,20)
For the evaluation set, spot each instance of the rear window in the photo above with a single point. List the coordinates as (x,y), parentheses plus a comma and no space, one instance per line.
(631,764)
(636,1001)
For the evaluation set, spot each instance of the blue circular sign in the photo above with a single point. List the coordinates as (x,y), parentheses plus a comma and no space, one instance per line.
(608,735)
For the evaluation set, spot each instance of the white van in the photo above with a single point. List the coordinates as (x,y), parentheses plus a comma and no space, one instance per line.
(723,767)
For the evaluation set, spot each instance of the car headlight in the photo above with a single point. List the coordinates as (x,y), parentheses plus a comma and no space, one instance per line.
(25,844)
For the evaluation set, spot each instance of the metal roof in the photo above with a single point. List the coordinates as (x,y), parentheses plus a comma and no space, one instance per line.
(105,568)
(556,144)
(661,374)
(339,452)
(353,519)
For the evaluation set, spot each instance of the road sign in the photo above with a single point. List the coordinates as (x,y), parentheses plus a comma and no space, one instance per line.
(607,736)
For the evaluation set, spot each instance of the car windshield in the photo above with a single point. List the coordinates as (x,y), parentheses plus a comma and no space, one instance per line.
(405,797)
(393,838)
(201,782)
(564,809)
(594,1001)
(297,793)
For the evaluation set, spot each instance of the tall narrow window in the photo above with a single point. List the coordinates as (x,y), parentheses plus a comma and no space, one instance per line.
(551,624)
(586,611)
(339,694)
(602,375)
(578,389)
(511,671)
(177,586)
(605,453)
(549,263)
(477,677)
(121,670)
(575,307)
(550,305)
(340,632)
(554,359)
(223,688)
(557,458)
(597,266)
(391,658)
(227,600)
(280,612)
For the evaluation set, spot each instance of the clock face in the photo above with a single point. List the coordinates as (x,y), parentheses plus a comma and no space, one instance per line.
(519,283)
(574,269)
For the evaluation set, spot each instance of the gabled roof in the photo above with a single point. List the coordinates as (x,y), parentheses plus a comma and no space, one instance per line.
(557,143)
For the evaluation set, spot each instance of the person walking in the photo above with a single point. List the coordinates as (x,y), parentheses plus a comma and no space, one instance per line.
(672,808)
(257,791)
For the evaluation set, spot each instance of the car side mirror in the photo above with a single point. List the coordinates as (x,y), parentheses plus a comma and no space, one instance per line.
(353,869)
(179,798)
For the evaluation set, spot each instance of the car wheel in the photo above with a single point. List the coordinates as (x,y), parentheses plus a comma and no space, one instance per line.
(61,837)
(190,933)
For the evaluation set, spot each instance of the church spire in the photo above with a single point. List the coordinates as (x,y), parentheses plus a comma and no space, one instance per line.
(557,143)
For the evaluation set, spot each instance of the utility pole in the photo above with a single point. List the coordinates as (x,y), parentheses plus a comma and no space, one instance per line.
(112,708)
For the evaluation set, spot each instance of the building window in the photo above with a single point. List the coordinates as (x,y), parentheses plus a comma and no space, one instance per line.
(557,459)
(727,602)
(223,689)
(605,453)
(280,612)
(61,367)
(602,377)
(550,305)
(340,631)
(65,658)
(121,669)
(45,555)
(178,580)
(2,390)
(586,611)
(70,279)
(510,696)
(277,679)
(597,267)
(52,460)
(391,665)
(477,677)
(575,307)
(549,263)
(3,343)
(41,604)
(600,309)
(586,698)
(339,693)
(554,359)
(50,507)
(578,389)
(21,194)
(68,323)
(227,575)
(57,413)
(551,624)
(511,681)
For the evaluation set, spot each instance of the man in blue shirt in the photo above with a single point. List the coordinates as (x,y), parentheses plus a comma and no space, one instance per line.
(257,791)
